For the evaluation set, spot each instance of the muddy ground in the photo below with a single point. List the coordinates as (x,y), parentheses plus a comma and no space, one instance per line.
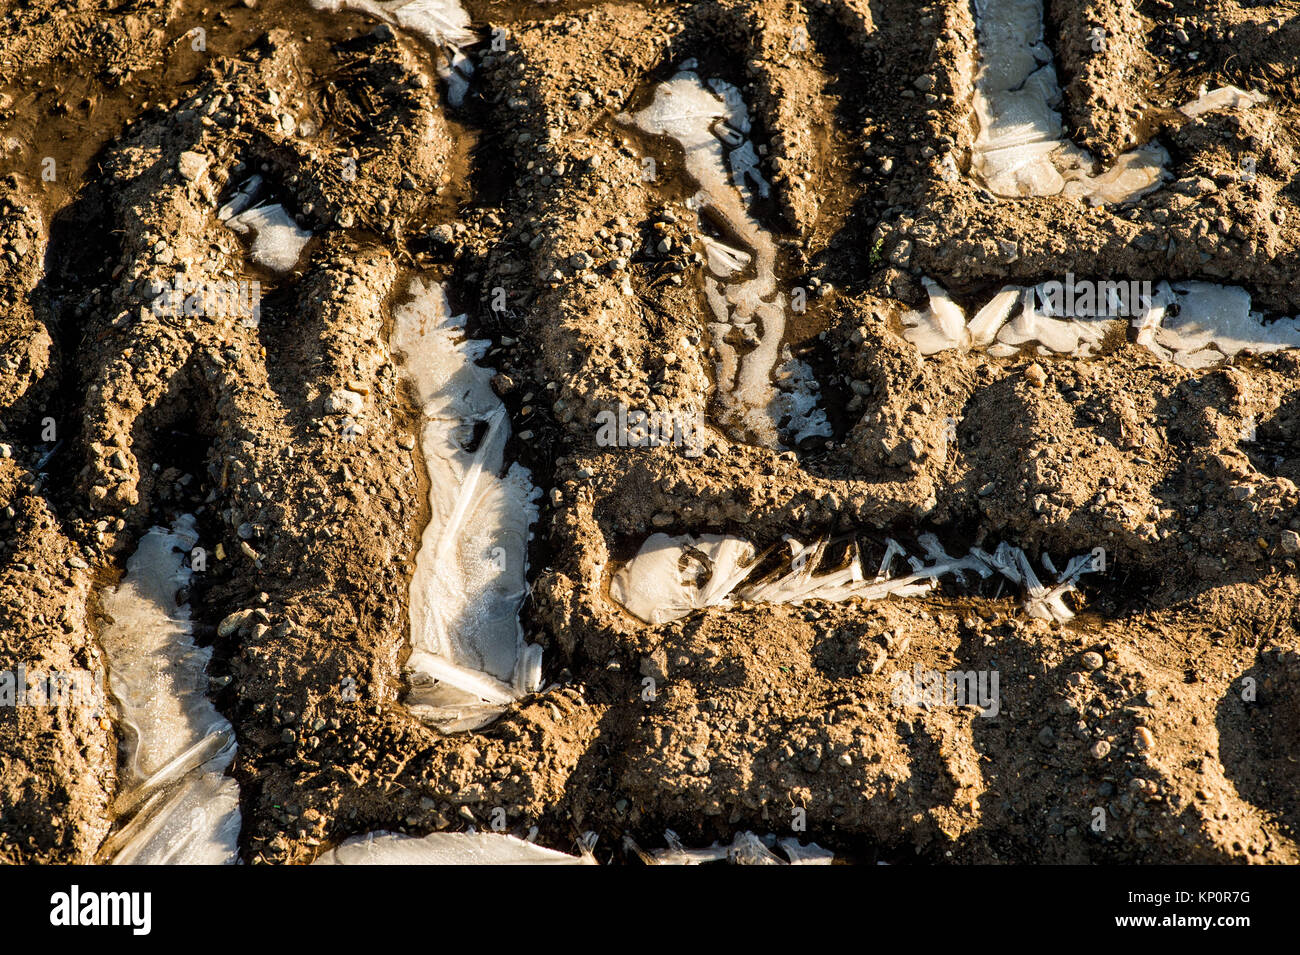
(1171,703)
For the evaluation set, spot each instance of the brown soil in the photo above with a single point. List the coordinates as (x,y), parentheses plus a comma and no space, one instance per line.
(759,710)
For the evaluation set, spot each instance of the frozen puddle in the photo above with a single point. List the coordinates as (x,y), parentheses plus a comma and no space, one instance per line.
(1015,318)
(1197,324)
(1193,324)
(277,240)
(444,24)
(179,805)
(764,391)
(672,576)
(1022,149)
(444,848)
(468,655)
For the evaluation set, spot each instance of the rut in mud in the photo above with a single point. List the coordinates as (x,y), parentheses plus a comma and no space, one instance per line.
(756,298)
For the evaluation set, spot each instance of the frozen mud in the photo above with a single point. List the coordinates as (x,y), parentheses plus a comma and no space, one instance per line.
(1021,149)
(710,124)
(468,650)
(176,801)
(946,568)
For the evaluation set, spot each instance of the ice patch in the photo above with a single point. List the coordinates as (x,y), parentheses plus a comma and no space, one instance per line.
(468,654)
(179,806)
(943,326)
(1021,148)
(1043,602)
(760,399)
(1197,324)
(1194,324)
(444,848)
(746,848)
(1225,97)
(669,577)
(438,21)
(243,198)
(277,240)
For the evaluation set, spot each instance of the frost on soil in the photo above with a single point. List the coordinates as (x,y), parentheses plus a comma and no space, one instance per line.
(764,391)
(468,655)
(179,806)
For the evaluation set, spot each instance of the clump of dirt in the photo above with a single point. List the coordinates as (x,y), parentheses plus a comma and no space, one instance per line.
(1159,724)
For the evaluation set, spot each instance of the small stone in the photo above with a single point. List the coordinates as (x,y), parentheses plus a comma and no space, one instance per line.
(192,165)
(342,401)
(1093,660)
(232,623)
(1143,739)
(1290,542)
(655,665)
(1101,749)
(1035,375)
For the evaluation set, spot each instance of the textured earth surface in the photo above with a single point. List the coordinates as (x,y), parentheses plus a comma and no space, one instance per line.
(1168,708)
